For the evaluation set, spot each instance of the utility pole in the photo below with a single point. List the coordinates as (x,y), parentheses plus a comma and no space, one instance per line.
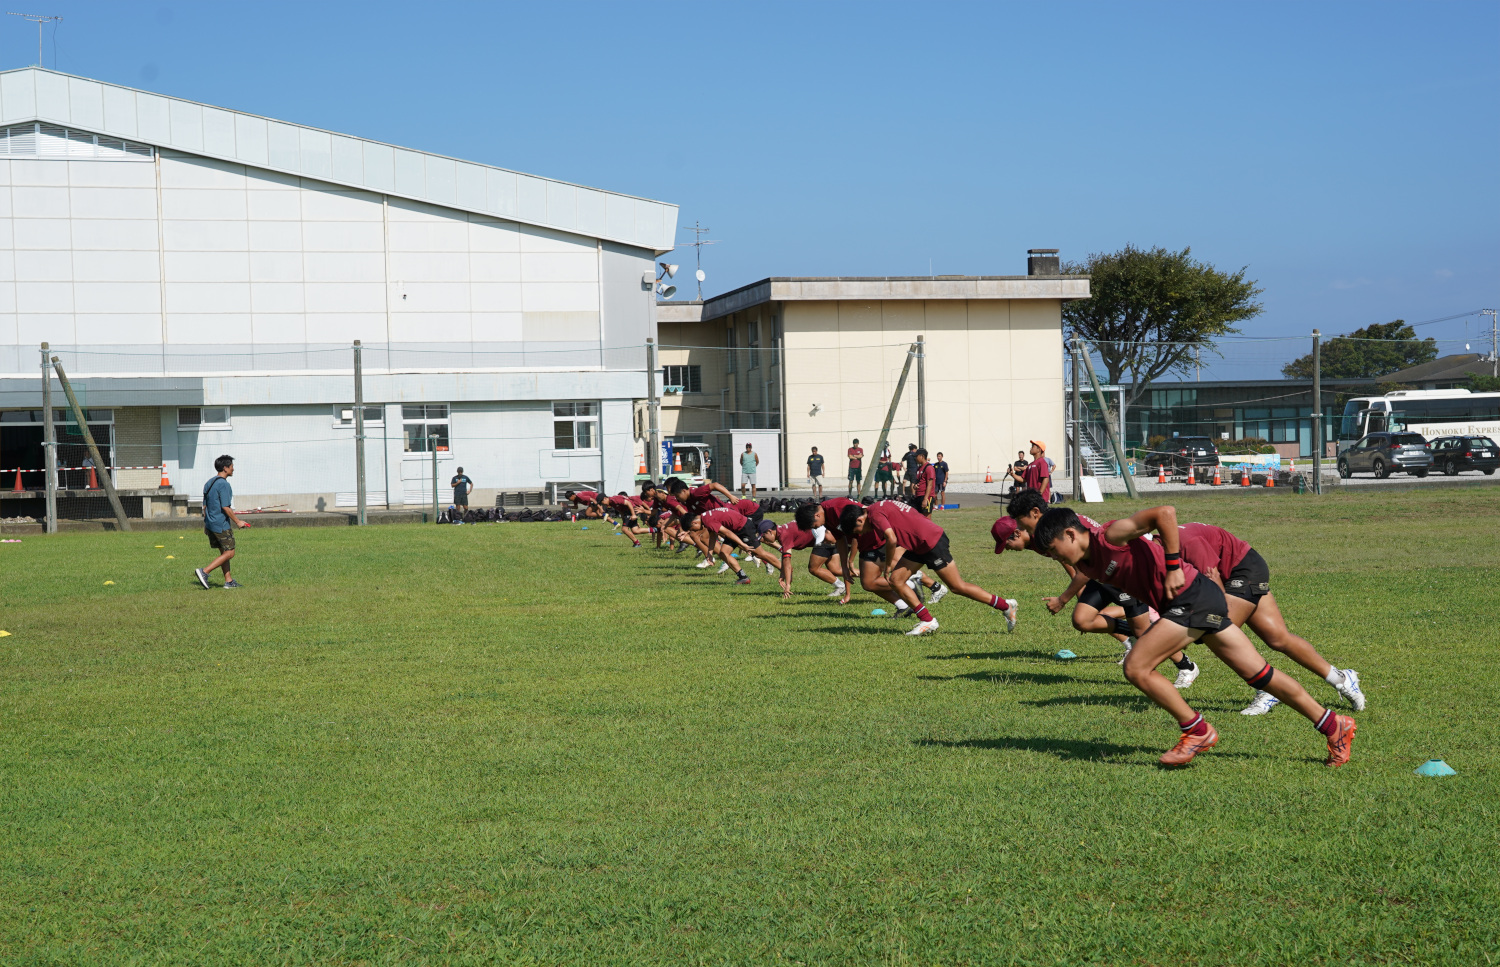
(88,438)
(49,442)
(890,416)
(1317,413)
(653,414)
(39,20)
(1494,343)
(697,246)
(1077,430)
(921,393)
(359,432)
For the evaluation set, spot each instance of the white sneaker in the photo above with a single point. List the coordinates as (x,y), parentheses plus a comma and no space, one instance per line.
(703,563)
(1011,606)
(722,568)
(915,581)
(1351,690)
(1264,702)
(923,628)
(939,593)
(1186,676)
(838,590)
(1129,644)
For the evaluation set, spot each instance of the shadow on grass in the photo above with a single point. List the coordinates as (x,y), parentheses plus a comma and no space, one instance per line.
(1033,678)
(1060,748)
(992,655)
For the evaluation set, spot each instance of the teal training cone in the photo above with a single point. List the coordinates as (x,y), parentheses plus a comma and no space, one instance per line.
(1435,767)
(1066,655)
(878,613)
(585,527)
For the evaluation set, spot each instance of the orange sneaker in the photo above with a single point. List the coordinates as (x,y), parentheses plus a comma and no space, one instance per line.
(1190,745)
(1340,741)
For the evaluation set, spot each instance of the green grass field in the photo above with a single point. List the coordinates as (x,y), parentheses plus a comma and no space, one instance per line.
(531,744)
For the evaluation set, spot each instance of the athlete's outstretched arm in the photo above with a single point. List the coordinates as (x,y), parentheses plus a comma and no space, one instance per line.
(1161,519)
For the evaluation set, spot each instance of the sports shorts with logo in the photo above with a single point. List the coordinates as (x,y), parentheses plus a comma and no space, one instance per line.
(1100,596)
(1200,606)
(1250,579)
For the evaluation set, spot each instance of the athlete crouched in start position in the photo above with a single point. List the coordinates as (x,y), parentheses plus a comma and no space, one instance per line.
(895,540)
(586,502)
(828,514)
(630,513)
(1192,608)
(823,563)
(724,527)
(1102,608)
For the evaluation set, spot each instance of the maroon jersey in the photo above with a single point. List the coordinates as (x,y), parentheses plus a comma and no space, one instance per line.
(702,499)
(832,508)
(926,482)
(585,496)
(1208,546)
(793,538)
(1138,567)
(913,531)
(724,517)
(747,507)
(620,502)
(1038,476)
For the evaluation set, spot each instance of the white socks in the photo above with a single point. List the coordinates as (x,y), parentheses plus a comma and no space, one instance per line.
(1334,677)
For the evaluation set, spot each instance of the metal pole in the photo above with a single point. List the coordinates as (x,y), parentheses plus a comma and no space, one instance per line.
(1114,438)
(1317,413)
(890,416)
(1077,429)
(359,431)
(88,438)
(921,392)
(49,443)
(432,445)
(653,414)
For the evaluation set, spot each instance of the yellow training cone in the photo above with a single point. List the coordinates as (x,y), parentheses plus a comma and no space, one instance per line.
(160,546)
(109,582)
(4,634)
(171,557)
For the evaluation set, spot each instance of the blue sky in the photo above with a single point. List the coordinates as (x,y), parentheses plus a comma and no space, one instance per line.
(1347,153)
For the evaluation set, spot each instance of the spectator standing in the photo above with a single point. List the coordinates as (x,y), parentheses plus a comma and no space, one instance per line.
(924,486)
(461,485)
(219,521)
(1038,473)
(909,470)
(856,466)
(749,463)
(940,472)
(815,472)
(885,472)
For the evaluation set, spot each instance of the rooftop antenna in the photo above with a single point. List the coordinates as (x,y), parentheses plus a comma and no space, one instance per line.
(38,19)
(697,245)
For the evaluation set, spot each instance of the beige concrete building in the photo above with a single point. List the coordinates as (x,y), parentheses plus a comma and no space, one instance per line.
(794,363)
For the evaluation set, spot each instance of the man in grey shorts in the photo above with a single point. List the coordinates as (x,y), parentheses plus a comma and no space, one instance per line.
(219,521)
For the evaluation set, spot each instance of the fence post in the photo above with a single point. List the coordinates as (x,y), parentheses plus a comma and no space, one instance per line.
(88,438)
(922,392)
(1317,413)
(359,432)
(49,443)
(1077,430)
(653,414)
(432,445)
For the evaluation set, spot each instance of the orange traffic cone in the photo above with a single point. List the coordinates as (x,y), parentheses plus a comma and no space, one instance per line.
(1161,473)
(165,480)
(642,471)
(93,480)
(1192,481)
(1245,475)
(1218,480)
(988,478)
(676,462)
(18,488)
(1270,478)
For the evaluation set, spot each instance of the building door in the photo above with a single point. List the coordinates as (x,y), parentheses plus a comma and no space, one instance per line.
(767,444)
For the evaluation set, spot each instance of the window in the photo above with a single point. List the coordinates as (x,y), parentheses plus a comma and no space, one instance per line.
(776,338)
(37,140)
(58,416)
(731,343)
(1162,399)
(688,379)
(753,341)
(201,418)
(425,427)
(344,415)
(575,426)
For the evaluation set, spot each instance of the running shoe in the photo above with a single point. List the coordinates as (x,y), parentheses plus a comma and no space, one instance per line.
(1340,742)
(923,628)
(939,593)
(1011,607)
(1129,644)
(202,577)
(722,568)
(743,579)
(1186,676)
(838,590)
(1351,690)
(235,584)
(635,543)
(915,581)
(703,563)
(1264,702)
(1190,745)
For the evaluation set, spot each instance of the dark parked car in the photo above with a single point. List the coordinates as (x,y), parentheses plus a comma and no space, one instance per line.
(1455,454)
(1386,453)
(1176,454)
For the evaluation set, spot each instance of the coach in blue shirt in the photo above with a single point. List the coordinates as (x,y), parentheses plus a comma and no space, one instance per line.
(219,520)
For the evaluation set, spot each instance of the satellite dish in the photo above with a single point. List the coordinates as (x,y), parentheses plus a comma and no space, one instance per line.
(666,291)
(671,270)
(701,276)
(1466,347)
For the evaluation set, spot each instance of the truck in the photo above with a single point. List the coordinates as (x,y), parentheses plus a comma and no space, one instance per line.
(693,462)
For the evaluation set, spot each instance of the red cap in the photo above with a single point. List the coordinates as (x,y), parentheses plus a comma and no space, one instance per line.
(1004,530)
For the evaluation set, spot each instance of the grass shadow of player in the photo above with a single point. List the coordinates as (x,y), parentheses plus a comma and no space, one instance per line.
(1031,678)
(991,655)
(1060,748)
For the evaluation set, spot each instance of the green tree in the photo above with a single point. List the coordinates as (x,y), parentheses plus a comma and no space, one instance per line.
(1151,312)
(1481,383)
(1367,353)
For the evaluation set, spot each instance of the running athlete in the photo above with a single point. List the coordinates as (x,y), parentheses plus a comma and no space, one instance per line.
(585,500)
(725,526)
(1192,608)
(843,545)
(909,540)
(824,565)
(630,512)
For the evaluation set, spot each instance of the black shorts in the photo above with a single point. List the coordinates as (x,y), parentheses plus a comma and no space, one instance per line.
(460,500)
(1200,606)
(937,558)
(1100,596)
(877,556)
(826,549)
(1250,579)
(751,533)
(918,503)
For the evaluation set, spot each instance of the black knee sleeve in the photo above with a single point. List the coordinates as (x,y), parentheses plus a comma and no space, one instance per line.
(1122,627)
(1261,678)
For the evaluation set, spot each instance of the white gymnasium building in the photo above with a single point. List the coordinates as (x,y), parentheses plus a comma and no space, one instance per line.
(201,273)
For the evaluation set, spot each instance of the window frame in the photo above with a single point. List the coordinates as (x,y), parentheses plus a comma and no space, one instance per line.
(338,419)
(573,419)
(427,419)
(731,348)
(226,424)
(752,342)
(693,383)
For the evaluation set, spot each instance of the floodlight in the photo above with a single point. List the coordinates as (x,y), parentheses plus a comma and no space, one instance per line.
(669,269)
(666,291)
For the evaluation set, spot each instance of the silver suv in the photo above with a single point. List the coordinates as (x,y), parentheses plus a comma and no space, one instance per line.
(1386,453)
